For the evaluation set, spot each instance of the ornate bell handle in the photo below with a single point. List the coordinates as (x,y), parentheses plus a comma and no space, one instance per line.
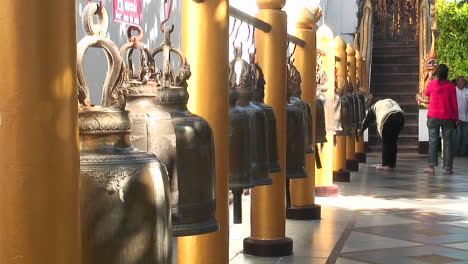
(126,51)
(96,38)
(167,78)
(89,27)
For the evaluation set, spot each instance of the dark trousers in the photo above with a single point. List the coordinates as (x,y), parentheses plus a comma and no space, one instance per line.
(390,132)
(448,129)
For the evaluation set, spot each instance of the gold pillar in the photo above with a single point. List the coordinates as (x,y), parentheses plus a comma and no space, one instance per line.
(303,190)
(359,146)
(39,162)
(352,163)
(324,177)
(339,149)
(204,42)
(268,207)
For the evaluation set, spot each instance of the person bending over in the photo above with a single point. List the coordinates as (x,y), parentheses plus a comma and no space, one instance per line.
(390,119)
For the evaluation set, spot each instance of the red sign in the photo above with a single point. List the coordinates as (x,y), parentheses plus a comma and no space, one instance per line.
(127,11)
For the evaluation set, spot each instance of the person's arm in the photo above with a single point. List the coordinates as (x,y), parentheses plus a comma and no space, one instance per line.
(370,119)
(454,103)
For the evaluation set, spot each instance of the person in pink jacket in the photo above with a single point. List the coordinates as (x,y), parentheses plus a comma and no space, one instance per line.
(442,113)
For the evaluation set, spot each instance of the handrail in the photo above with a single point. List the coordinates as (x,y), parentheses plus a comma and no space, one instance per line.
(260,24)
(296,40)
(251,20)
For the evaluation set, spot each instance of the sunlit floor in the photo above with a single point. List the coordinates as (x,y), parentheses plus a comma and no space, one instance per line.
(399,217)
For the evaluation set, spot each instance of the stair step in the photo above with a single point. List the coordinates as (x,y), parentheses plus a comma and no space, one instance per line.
(395,68)
(401,98)
(393,59)
(395,75)
(411,51)
(395,87)
(395,78)
(401,149)
(396,44)
(402,139)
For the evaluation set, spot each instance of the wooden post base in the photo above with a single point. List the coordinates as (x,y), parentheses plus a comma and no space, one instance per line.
(341,176)
(308,212)
(352,165)
(361,157)
(268,247)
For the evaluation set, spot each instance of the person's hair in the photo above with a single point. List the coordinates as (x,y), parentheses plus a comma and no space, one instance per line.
(441,72)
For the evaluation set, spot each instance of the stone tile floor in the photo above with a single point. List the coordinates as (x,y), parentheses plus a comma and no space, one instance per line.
(399,217)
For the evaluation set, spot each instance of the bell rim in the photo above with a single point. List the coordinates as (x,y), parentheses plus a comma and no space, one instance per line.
(189,229)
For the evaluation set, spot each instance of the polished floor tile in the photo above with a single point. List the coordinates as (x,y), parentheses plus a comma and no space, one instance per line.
(359,241)
(399,217)
(411,255)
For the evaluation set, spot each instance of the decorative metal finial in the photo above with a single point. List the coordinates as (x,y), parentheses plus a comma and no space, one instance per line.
(168,77)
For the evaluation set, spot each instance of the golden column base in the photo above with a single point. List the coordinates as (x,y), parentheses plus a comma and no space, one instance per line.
(303,205)
(361,154)
(39,161)
(205,44)
(268,202)
(324,186)
(340,174)
(352,164)
(360,150)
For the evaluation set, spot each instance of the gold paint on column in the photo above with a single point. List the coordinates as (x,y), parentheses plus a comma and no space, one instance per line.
(39,162)
(359,147)
(351,65)
(351,59)
(205,44)
(302,190)
(324,176)
(339,149)
(268,202)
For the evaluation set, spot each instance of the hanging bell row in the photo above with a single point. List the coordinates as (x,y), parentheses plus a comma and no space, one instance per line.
(124,195)
(253,130)
(327,101)
(342,111)
(158,122)
(183,141)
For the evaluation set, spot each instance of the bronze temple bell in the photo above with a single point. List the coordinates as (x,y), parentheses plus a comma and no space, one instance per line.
(257,119)
(182,141)
(125,214)
(193,160)
(296,129)
(295,99)
(240,176)
(258,100)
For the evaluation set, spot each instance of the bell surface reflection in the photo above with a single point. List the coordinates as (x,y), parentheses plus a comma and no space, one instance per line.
(186,147)
(258,100)
(244,85)
(295,131)
(125,214)
(240,177)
